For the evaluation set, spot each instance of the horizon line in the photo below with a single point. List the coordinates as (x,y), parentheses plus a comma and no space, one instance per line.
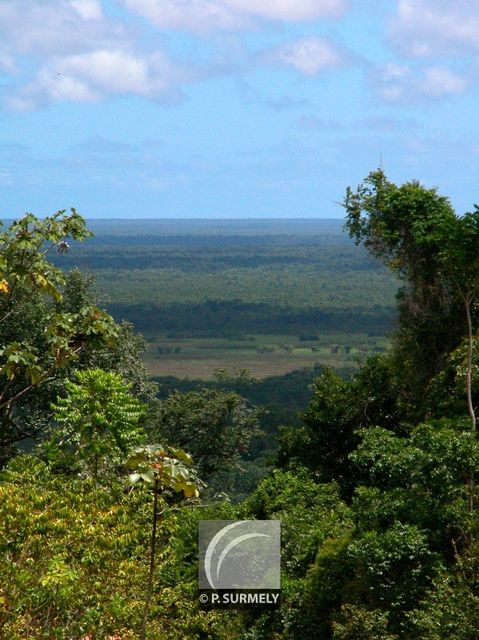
(214,219)
(5,219)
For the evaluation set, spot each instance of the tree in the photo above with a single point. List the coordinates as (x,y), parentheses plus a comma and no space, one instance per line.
(71,559)
(124,356)
(337,409)
(406,226)
(416,232)
(166,469)
(214,426)
(449,611)
(315,525)
(421,480)
(99,422)
(359,623)
(460,264)
(39,339)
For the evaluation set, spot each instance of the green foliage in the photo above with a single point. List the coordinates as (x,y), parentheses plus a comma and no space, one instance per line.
(124,357)
(315,523)
(362,582)
(421,479)
(459,242)
(399,224)
(280,399)
(411,513)
(39,339)
(356,622)
(25,245)
(299,271)
(170,467)
(376,493)
(98,423)
(166,469)
(328,433)
(338,408)
(214,426)
(447,391)
(72,562)
(414,517)
(227,283)
(309,512)
(390,569)
(234,317)
(450,610)
(417,234)
(127,360)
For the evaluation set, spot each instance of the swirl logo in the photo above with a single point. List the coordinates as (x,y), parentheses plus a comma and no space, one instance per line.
(242,554)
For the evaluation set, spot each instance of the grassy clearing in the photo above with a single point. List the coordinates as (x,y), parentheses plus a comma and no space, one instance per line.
(263,355)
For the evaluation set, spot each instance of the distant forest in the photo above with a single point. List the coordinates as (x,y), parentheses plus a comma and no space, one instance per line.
(229,277)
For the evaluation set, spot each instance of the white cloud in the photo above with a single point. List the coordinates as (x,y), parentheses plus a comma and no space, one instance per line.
(110,71)
(69,50)
(400,83)
(310,56)
(207,15)
(87,9)
(59,87)
(191,15)
(56,26)
(423,28)
(440,81)
(7,62)
(73,50)
(289,10)
(92,76)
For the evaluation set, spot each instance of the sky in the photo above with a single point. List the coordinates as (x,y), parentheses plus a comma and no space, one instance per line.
(233,108)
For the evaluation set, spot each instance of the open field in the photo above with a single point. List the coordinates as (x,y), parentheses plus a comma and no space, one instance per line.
(238,294)
(262,355)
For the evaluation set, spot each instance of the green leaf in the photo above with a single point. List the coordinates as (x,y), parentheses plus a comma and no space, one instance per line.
(148,476)
(134,477)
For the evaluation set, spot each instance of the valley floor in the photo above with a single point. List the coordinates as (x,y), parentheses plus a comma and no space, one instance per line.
(261,355)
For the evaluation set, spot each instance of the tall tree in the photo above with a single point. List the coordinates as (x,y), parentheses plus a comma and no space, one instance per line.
(39,338)
(417,234)
(460,265)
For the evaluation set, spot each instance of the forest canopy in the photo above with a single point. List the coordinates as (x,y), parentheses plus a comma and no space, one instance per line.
(104,479)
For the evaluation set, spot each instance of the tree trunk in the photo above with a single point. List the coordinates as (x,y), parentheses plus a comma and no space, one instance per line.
(149,588)
(470,406)
(470,348)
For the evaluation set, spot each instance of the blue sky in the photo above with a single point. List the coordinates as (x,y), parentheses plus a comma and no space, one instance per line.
(233,108)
